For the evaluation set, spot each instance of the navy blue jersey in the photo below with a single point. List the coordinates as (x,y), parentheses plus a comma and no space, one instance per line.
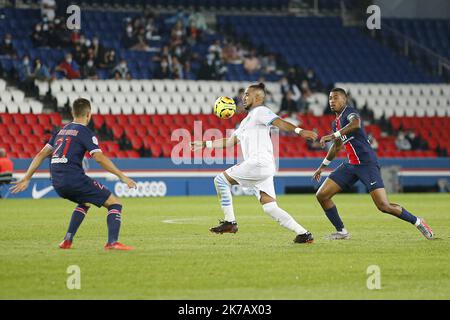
(69,147)
(356,144)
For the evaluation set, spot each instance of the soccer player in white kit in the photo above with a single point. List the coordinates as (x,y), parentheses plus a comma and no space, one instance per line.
(258,168)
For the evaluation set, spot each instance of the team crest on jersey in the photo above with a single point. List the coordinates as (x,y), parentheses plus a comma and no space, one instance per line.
(95,141)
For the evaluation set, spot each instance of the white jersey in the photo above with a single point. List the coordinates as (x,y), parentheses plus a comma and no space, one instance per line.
(254,136)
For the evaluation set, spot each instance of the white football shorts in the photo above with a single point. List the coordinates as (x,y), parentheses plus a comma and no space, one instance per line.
(251,174)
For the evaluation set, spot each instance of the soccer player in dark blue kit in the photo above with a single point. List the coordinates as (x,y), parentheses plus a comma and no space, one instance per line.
(363,166)
(67,149)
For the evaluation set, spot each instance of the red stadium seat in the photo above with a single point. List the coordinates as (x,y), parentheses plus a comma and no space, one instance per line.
(14,129)
(55,119)
(132,154)
(19,118)
(31,118)
(117,132)
(156,150)
(3,129)
(6,118)
(98,121)
(137,143)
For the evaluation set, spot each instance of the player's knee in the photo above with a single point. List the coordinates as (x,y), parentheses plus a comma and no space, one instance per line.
(112,200)
(321,196)
(269,207)
(384,207)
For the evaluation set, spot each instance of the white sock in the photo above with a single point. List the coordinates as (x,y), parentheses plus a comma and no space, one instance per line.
(223,188)
(417,222)
(283,218)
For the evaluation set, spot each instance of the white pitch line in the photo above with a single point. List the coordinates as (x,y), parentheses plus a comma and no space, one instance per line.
(180,221)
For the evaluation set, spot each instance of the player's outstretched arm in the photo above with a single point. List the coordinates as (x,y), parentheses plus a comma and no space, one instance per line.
(109,166)
(35,164)
(289,127)
(353,125)
(218,143)
(334,150)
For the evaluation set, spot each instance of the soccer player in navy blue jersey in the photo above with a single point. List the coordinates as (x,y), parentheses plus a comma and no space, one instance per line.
(67,149)
(362,165)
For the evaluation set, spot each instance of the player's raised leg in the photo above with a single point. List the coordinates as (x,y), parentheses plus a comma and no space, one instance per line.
(270,207)
(223,183)
(114,219)
(324,195)
(77,218)
(380,199)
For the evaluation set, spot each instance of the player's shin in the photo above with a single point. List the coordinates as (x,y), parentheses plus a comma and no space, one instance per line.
(333,215)
(283,218)
(223,188)
(114,220)
(409,217)
(77,218)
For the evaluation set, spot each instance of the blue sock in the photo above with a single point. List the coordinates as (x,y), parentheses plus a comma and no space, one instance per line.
(114,219)
(407,216)
(333,216)
(77,218)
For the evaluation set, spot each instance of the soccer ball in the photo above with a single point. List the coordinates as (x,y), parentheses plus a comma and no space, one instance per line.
(224,107)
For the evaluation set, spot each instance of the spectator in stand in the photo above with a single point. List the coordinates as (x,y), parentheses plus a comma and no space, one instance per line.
(48,9)
(25,74)
(219,69)
(141,40)
(291,95)
(98,49)
(251,63)
(198,20)
(163,70)
(109,60)
(37,37)
(177,34)
(415,141)
(69,68)
(193,34)
(61,35)
(239,99)
(373,142)
(313,81)
(79,54)
(129,39)
(177,67)
(6,165)
(230,53)
(41,71)
(351,101)
(269,64)
(402,143)
(215,47)
(7,48)
(306,91)
(89,71)
(122,69)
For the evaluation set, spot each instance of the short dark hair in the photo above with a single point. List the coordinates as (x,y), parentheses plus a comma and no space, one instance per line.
(340,90)
(260,86)
(81,107)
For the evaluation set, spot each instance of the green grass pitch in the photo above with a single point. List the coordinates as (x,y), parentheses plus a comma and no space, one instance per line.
(183,260)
